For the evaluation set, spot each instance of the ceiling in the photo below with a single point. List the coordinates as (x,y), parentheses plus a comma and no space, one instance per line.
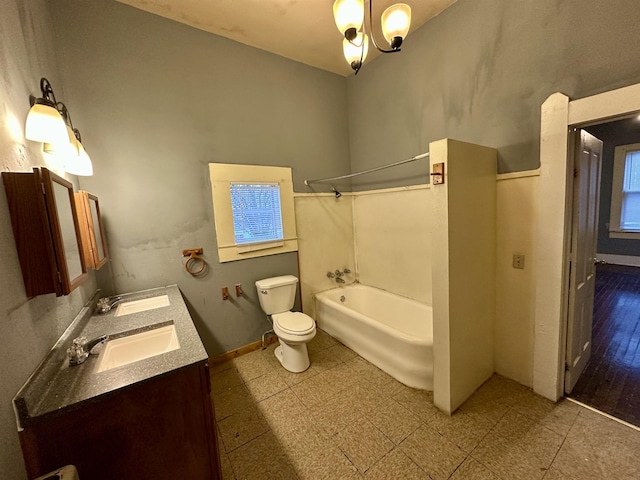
(302,30)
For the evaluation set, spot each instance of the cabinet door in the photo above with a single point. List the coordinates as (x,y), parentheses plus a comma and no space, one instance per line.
(46,231)
(161,428)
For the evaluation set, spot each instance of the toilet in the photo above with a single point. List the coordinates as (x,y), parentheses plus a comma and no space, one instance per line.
(294,329)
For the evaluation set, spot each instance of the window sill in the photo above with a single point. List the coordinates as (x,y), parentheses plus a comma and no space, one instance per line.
(624,234)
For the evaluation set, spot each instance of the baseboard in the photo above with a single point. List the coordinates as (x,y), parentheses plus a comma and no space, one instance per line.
(238,352)
(627,260)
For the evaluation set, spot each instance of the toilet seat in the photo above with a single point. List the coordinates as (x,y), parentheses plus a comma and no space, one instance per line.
(293,323)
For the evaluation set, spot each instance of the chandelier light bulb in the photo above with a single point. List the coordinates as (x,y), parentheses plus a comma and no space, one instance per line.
(355,52)
(396,21)
(348,15)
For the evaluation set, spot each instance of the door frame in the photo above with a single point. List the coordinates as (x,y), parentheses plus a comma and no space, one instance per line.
(558,115)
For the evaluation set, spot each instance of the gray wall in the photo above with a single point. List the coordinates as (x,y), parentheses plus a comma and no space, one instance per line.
(28,326)
(479,72)
(162,100)
(612,134)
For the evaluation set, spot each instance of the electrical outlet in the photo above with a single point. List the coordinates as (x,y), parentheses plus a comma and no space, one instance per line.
(518,261)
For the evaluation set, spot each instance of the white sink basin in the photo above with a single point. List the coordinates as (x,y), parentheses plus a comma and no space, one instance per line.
(132,348)
(136,306)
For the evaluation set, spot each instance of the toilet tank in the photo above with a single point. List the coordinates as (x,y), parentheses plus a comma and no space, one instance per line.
(277,294)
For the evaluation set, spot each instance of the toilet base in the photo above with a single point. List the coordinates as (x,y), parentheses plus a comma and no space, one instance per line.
(293,358)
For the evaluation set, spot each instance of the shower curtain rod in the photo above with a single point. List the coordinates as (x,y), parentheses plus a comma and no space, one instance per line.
(342,177)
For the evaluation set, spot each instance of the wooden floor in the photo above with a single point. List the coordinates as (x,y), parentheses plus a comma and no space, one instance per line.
(611,380)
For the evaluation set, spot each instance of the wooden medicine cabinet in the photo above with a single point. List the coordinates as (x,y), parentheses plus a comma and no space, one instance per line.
(46,230)
(94,244)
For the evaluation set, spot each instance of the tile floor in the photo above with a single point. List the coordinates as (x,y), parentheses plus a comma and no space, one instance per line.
(346,419)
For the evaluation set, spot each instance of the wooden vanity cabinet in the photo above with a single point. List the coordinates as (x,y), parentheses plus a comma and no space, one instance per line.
(94,243)
(161,428)
(46,230)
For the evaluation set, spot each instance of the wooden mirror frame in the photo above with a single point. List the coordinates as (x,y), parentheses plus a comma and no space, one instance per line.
(67,283)
(90,232)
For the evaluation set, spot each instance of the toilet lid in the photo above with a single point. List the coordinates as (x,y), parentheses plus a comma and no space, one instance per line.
(294,323)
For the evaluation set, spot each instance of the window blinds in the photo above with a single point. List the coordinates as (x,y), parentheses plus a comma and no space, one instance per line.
(257,214)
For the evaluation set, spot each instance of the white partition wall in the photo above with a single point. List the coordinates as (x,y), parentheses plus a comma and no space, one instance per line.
(325,241)
(393,240)
(463,216)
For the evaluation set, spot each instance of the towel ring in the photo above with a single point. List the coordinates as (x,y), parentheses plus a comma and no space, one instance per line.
(191,265)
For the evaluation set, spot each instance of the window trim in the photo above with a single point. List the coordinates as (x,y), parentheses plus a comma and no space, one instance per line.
(222,175)
(619,163)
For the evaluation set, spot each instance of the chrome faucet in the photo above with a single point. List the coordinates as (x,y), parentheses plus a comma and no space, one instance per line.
(107,303)
(338,274)
(80,349)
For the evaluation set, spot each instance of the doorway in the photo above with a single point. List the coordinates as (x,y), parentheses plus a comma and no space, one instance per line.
(558,113)
(610,381)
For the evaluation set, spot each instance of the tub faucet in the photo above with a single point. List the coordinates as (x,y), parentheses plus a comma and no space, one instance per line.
(107,303)
(339,280)
(80,349)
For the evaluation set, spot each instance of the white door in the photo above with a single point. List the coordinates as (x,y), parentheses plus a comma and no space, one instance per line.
(582,273)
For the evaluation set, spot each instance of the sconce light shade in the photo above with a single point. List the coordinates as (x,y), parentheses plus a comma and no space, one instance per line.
(79,164)
(45,124)
(348,15)
(396,21)
(353,51)
(65,148)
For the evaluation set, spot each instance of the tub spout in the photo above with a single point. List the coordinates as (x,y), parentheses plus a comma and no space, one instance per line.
(339,280)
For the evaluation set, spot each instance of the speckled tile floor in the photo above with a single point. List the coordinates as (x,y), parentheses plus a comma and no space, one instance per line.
(346,419)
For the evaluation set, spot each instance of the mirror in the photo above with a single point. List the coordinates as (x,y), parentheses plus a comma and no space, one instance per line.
(94,245)
(95,217)
(65,230)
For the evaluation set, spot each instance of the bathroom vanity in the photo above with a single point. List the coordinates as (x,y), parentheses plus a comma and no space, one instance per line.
(126,419)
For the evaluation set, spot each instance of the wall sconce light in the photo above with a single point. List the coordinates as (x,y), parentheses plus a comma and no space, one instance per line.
(349,18)
(44,122)
(49,122)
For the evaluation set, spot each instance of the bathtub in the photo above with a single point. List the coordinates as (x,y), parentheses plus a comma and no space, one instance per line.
(392,332)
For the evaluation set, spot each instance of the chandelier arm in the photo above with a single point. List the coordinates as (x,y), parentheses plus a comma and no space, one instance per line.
(373,36)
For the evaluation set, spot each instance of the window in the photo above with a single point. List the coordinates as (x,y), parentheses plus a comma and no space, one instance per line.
(257,216)
(625,196)
(253,208)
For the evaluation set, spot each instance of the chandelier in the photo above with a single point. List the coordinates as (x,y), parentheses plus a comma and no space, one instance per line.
(349,16)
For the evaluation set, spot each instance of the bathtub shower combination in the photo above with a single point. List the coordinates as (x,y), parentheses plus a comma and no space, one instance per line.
(392,332)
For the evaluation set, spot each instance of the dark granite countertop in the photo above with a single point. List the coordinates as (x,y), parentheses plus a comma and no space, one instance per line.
(56,387)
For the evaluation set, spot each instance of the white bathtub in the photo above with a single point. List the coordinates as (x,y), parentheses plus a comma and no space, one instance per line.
(392,332)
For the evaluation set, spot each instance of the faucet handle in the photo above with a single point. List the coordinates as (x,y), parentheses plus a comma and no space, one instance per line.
(103,302)
(80,348)
(331,274)
(76,352)
(339,273)
(346,270)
